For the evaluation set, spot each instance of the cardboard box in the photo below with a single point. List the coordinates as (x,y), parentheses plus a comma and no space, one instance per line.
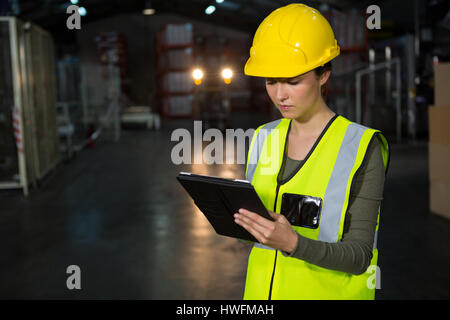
(439,160)
(442,84)
(439,157)
(440,198)
(439,124)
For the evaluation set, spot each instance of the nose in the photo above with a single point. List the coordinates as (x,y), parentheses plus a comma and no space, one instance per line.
(281,93)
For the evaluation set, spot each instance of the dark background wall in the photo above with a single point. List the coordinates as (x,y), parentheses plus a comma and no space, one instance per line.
(140,33)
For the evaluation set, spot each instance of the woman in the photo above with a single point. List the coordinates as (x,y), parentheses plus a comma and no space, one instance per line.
(324,173)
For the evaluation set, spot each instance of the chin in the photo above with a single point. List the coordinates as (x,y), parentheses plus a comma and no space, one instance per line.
(290,114)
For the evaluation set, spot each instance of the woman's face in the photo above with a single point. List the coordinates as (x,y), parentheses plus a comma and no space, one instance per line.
(298,96)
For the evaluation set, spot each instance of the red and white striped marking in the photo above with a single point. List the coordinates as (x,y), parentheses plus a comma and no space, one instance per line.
(17,133)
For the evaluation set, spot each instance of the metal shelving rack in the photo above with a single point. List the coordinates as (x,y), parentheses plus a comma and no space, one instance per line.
(174,44)
(27,104)
(352,37)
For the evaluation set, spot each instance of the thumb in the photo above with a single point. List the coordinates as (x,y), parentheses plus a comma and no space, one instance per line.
(279,218)
(274,215)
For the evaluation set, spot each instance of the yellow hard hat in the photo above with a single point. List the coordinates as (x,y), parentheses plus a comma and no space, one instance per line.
(292,40)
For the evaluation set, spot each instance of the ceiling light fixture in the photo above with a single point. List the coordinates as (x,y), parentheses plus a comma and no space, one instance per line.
(148,10)
(82,11)
(227,74)
(210,9)
(197,74)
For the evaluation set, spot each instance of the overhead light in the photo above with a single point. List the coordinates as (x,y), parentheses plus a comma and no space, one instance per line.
(148,9)
(148,12)
(197,74)
(74,1)
(227,74)
(210,9)
(82,11)
(219,1)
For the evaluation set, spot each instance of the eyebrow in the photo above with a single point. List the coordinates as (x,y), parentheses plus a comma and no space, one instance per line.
(285,79)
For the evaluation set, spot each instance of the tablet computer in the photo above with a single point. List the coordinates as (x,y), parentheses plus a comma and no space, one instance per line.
(219,198)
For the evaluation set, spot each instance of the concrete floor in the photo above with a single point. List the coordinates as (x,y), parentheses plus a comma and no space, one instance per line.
(118,213)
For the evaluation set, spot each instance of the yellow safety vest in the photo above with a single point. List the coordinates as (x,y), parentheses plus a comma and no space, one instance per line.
(328,172)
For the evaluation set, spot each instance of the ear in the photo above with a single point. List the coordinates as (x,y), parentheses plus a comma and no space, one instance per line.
(324,77)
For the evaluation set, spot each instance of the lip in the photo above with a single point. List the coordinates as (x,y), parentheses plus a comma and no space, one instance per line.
(285,106)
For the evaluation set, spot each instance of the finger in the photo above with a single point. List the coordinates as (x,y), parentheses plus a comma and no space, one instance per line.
(258,235)
(255,217)
(278,217)
(282,219)
(263,230)
(274,215)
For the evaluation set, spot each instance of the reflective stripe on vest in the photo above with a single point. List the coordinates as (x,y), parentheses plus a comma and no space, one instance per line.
(335,195)
(257,148)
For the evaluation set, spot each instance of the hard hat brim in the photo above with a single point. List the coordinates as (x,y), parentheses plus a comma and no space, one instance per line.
(280,69)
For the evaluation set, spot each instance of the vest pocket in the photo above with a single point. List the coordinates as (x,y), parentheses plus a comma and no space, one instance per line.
(301,210)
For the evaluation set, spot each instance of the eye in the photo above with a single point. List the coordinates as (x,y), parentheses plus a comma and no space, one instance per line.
(270,82)
(293,83)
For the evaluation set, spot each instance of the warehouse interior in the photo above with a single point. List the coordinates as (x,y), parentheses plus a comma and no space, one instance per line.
(92,91)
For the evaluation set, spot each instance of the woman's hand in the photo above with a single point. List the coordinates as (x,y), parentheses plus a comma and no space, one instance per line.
(277,234)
